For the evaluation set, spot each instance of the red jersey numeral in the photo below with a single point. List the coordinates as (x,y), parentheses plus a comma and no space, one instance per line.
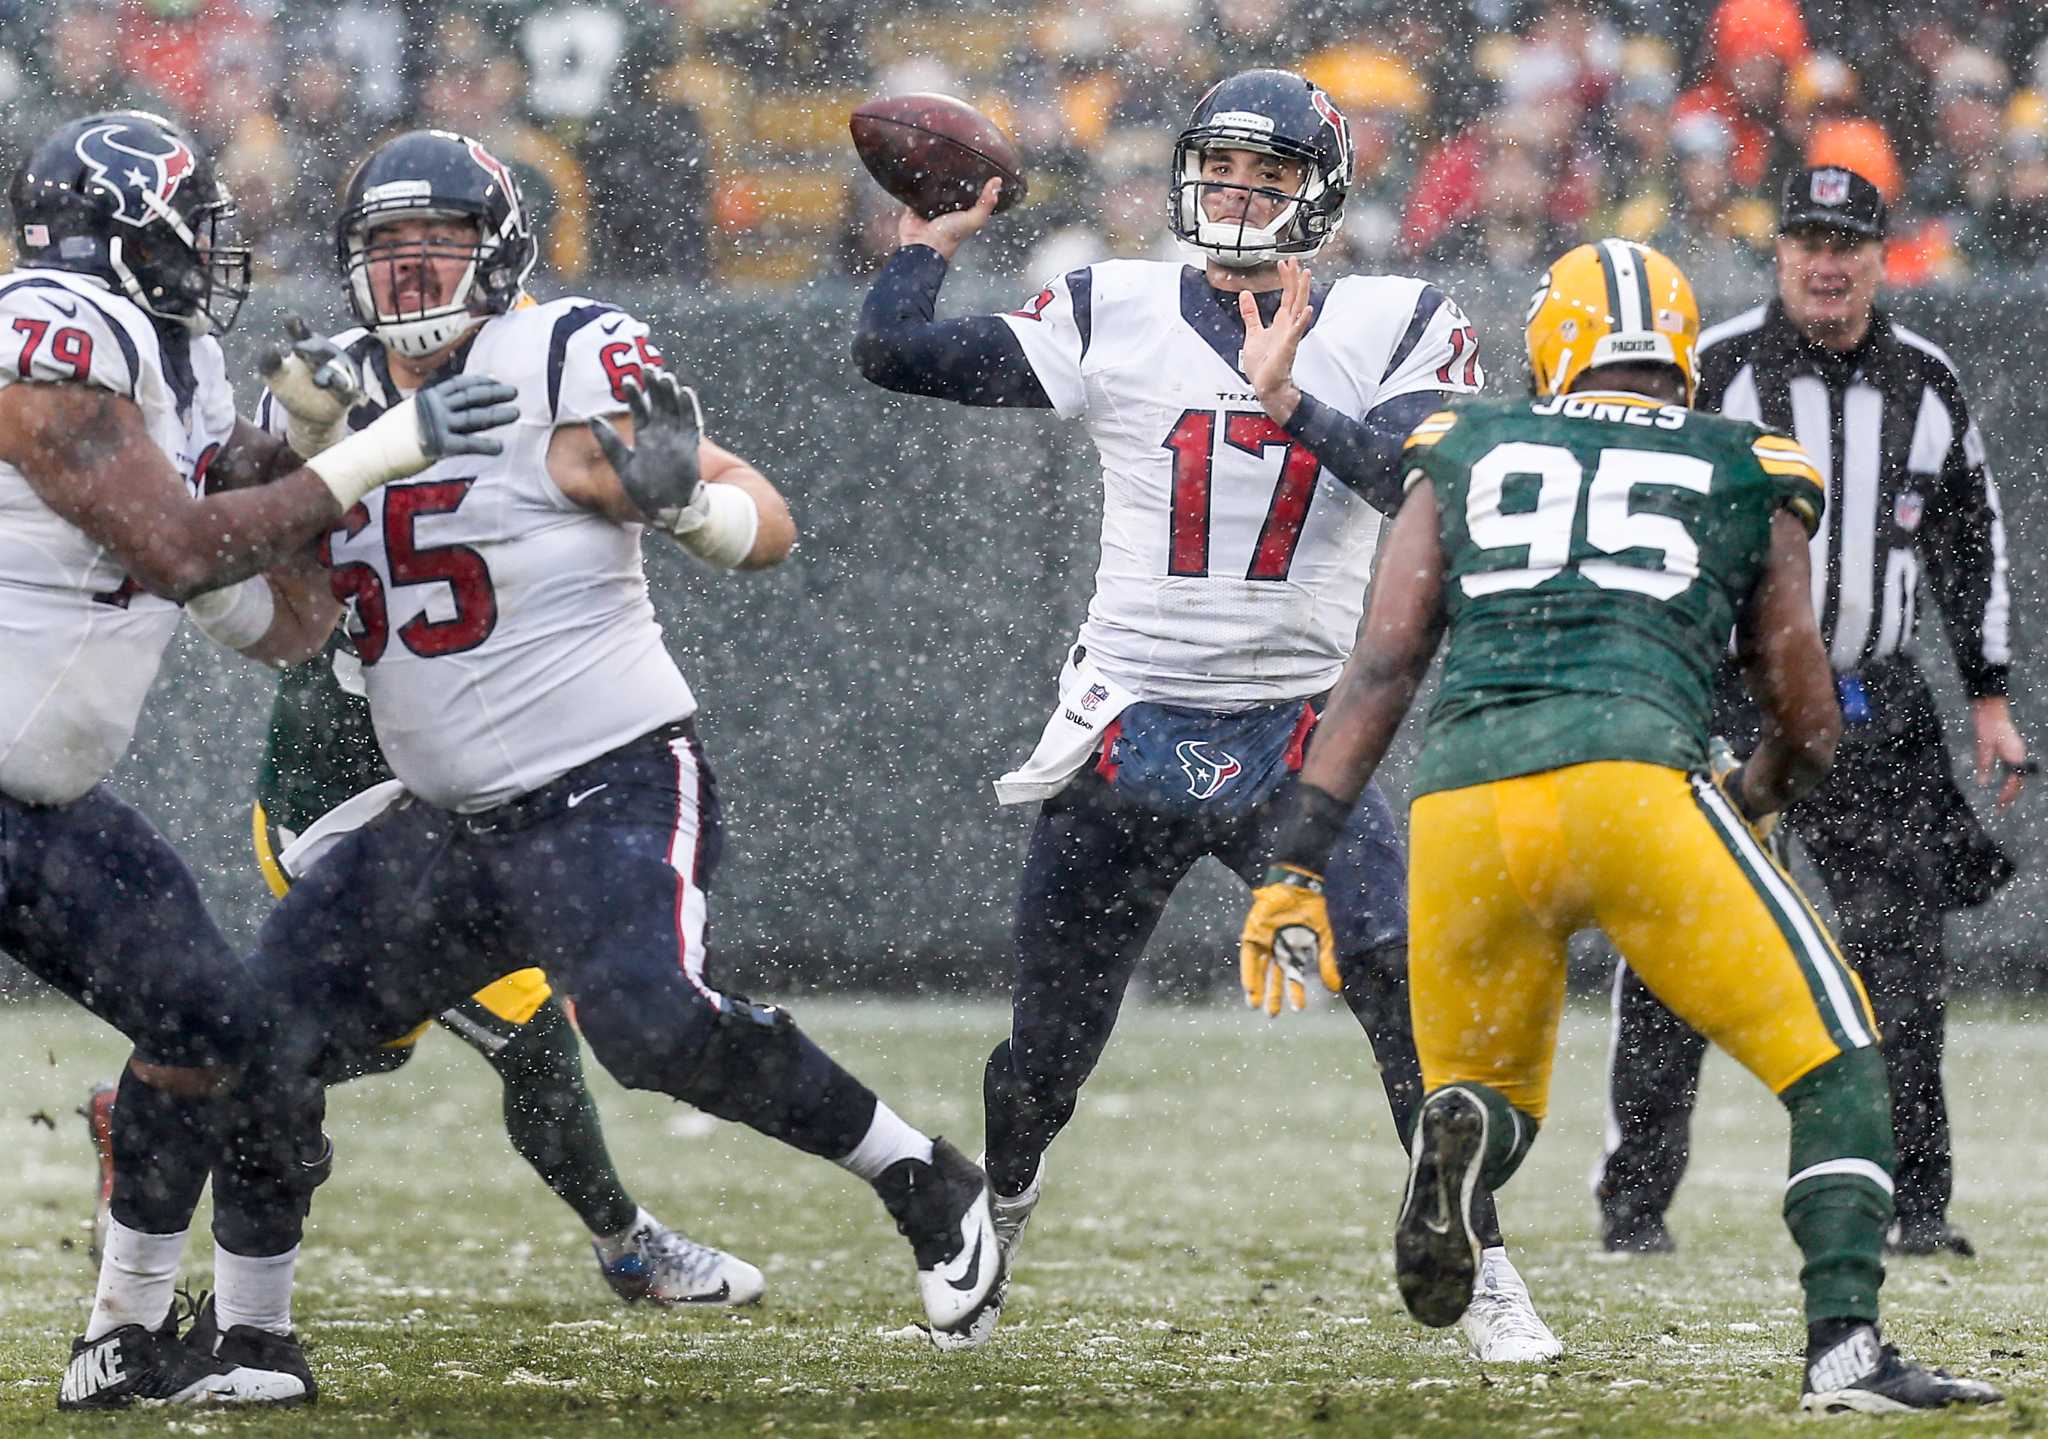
(1193,442)
(69,346)
(627,358)
(1464,342)
(460,567)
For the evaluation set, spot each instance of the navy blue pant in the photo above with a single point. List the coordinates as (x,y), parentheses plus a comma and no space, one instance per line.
(601,878)
(1097,876)
(95,901)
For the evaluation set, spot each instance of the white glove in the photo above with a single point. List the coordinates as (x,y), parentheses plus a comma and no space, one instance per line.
(316,383)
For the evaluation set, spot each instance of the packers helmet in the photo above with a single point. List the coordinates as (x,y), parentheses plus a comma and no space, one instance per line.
(1611,302)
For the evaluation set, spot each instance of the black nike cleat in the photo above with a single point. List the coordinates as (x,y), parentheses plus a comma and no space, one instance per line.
(1920,1236)
(942,1208)
(247,1347)
(1436,1255)
(1860,1374)
(1636,1234)
(134,1365)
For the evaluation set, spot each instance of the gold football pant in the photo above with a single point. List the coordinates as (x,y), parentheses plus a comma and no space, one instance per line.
(514,999)
(1502,874)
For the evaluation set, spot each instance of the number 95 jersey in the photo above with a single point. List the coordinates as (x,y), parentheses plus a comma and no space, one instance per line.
(1233,567)
(505,632)
(1597,549)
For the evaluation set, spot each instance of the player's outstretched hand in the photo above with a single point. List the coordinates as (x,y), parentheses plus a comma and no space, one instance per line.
(949,232)
(1285,936)
(1268,355)
(660,470)
(316,382)
(455,415)
(1726,772)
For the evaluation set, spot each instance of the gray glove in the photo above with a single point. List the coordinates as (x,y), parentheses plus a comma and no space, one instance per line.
(659,469)
(454,413)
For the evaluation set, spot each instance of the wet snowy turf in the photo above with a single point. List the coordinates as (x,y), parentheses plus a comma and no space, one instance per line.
(1211,1258)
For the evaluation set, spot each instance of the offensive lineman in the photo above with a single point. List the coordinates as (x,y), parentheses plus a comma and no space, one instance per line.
(1590,551)
(115,411)
(555,809)
(1250,427)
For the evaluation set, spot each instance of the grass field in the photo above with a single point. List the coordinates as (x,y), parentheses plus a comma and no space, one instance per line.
(1212,1257)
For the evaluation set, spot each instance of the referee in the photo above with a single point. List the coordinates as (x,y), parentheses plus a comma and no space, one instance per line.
(1882,413)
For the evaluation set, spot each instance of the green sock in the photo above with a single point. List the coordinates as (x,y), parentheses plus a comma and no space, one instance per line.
(552,1120)
(1510,1133)
(1838,1199)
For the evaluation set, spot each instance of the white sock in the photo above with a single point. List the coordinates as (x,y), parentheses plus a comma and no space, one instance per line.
(254,1291)
(137,1275)
(888,1139)
(1497,1271)
(615,1247)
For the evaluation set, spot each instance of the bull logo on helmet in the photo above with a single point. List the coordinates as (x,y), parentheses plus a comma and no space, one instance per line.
(140,168)
(1334,118)
(494,167)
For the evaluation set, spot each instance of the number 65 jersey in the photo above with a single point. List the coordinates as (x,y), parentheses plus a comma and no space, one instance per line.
(1597,551)
(1234,567)
(505,632)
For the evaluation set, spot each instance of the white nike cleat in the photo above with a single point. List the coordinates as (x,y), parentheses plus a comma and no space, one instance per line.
(1009,1215)
(1501,1324)
(942,1208)
(133,1365)
(668,1267)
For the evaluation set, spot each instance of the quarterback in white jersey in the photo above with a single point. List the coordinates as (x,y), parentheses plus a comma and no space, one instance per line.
(1249,423)
(118,440)
(557,810)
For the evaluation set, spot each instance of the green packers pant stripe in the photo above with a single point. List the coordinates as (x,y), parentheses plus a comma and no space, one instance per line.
(1834,991)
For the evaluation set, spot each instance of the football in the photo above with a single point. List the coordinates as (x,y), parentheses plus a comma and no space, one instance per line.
(935,152)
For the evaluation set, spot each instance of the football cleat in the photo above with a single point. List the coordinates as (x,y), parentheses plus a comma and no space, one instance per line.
(1009,1215)
(668,1267)
(1860,1374)
(1637,1234)
(134,1365)
(1501,1323)
(1931,1235)
(98,1112)
(942,1208)
(247,1349)
(1436,1256)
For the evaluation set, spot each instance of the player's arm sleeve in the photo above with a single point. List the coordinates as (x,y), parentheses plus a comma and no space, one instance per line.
(1795,482)
(55,335)
(1963,543)
(1418,450)
(976,359)
(1365,454)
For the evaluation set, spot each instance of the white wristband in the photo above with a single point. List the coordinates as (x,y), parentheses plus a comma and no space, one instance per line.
(724,534)
(389,448)
(236,616)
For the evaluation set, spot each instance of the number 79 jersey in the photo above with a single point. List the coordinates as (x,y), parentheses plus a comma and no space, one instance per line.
(505,632)
(1597,551)
(1233,568)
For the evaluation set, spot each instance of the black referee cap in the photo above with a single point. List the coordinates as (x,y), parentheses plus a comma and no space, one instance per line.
(1828,197)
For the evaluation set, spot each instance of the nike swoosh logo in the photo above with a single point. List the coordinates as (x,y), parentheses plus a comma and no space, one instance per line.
(973,1268)
(724,1293)
(69,312)
(576,799)
(613,327)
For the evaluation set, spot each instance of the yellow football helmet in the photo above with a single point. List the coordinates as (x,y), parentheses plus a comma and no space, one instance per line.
(1611,302)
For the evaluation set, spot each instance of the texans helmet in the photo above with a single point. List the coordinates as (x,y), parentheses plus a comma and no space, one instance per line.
(127,197)
(1275,113)
(435,175)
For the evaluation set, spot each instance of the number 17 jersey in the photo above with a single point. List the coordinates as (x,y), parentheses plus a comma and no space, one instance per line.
(1597,549)
(1233,568)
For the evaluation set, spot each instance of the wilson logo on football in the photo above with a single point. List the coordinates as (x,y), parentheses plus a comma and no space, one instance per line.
(1208,768)
(140,169)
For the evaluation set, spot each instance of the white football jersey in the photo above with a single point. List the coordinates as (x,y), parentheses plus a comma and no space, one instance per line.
(79,642)
(1234,567)
(505,632)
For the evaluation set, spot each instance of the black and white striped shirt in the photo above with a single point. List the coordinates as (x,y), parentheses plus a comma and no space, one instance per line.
(1908,487)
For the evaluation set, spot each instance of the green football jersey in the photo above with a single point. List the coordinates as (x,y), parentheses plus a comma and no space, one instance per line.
(321,749)
(1597,550)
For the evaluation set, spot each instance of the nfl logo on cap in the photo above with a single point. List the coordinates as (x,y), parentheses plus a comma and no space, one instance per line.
(1830,187)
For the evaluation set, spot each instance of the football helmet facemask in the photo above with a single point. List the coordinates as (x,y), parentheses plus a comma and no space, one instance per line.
(1272,112)
(127,197)
(434,175)
(1611,302)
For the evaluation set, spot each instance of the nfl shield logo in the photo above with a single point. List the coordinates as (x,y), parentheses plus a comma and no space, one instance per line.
(1830,187)
(1095,696)
(1907,510)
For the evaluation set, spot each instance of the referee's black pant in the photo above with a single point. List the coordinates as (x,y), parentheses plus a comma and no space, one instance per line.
(1896,845)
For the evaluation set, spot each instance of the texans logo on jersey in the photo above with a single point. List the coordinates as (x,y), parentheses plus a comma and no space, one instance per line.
(134,166)
(1208,768)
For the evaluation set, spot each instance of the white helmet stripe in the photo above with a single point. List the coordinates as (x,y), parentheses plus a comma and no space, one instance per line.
(1628,286)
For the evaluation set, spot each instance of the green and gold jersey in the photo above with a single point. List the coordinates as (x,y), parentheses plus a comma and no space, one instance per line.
(322,748)
(1597,550)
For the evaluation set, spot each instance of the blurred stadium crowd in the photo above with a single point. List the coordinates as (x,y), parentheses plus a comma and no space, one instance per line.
(692,140)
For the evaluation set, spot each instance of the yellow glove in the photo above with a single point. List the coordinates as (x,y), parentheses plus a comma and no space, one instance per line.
(1287,932)
(1726,772)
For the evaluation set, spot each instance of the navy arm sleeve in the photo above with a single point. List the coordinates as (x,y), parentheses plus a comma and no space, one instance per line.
(976,360)
(1365,454)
